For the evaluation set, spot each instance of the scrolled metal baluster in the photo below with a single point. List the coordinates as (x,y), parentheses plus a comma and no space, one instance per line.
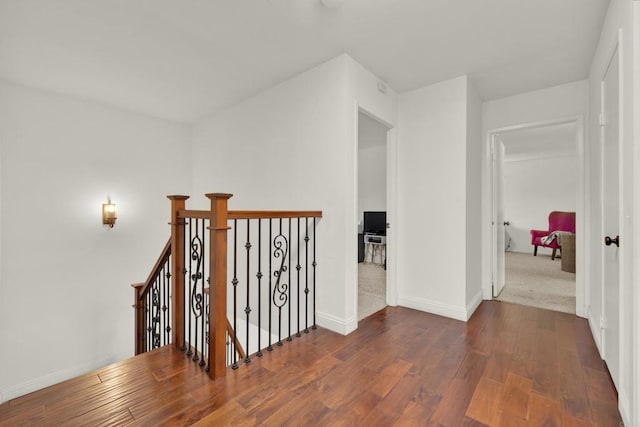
(280,288)
(197,279)
(203,316)
(155,315)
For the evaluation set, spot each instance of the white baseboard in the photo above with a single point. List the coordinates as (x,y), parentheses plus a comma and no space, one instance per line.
(487,292)
(336,324)
(474,304)
(51,379)
(595,331)
(434,307)
(624,408)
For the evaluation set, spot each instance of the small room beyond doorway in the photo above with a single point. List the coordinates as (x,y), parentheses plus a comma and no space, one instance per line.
(539,199)
(372,207)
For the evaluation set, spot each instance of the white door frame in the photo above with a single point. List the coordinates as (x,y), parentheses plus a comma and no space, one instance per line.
(582,232)
(497,230)
(391,209)
(636,209)
(616,48)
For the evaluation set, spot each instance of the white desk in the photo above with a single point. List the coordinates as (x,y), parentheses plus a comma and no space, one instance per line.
(375,248)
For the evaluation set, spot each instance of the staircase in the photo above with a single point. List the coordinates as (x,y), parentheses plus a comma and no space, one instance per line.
(188,301)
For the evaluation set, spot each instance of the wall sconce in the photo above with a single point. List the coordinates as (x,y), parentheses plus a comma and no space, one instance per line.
(109,214)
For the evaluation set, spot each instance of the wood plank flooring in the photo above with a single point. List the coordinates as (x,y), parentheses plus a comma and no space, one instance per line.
(510,365)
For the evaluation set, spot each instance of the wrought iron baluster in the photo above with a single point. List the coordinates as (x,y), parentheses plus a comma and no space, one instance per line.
(306,275)
(270,347)
(247,309)
(298,267)
(289,288)
(196,291)
(188,304)
(202,286)
(168,275)
(314,265)
(185,312)
(235,290)
(259,276)
(147,326)
(280,289)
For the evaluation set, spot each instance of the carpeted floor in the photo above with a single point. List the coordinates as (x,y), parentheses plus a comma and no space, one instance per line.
(538,282)
(372,288)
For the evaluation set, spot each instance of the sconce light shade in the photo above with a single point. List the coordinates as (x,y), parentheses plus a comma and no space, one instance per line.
(109,214)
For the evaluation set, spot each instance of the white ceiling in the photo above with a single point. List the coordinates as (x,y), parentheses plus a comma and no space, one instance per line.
(182,59)
(542,142)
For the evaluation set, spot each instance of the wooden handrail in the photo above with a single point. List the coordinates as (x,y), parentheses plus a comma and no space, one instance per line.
(251,214)
(274,214)
(164,255)
(190,213)
(232,334)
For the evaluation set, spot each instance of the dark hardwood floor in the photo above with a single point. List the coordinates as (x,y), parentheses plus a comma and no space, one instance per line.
(510,365)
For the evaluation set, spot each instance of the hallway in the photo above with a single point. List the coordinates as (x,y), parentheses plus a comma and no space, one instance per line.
(509,366)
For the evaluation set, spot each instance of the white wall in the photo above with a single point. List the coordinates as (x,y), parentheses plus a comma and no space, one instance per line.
(568,100)
(432,155)
(293,147)
(65,299)
(372,166)
(372,179)
(532,189)
(474,200)
(619,16)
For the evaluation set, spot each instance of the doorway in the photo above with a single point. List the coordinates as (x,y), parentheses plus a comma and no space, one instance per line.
(536,192)
(501,233)
(372,215)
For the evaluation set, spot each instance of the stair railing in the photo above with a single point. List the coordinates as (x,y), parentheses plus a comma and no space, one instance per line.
(184,300)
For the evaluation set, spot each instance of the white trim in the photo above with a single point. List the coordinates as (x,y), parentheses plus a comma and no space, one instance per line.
(52,378)
(582,254)
(594,325)
(635,350)
(392,214)
(540,156)
(474,304)
(624,408)
(434,307)
(614,49)
(336,324)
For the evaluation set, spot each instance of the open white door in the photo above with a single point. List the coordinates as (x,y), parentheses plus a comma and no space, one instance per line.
(497,149)
(611,217)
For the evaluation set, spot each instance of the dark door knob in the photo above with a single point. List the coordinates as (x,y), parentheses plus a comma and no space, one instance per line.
(608,241)
(507,223)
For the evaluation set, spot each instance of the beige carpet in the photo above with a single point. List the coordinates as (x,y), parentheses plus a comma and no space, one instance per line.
(538,282)
(372,288)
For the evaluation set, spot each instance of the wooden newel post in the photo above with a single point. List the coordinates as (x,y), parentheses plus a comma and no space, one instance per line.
(138,318)
(218,286)
(177,269)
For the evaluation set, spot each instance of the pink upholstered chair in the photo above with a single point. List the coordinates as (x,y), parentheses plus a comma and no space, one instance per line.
(558,221)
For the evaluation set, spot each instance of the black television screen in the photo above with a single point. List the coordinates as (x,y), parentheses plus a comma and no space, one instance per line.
(375,222)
